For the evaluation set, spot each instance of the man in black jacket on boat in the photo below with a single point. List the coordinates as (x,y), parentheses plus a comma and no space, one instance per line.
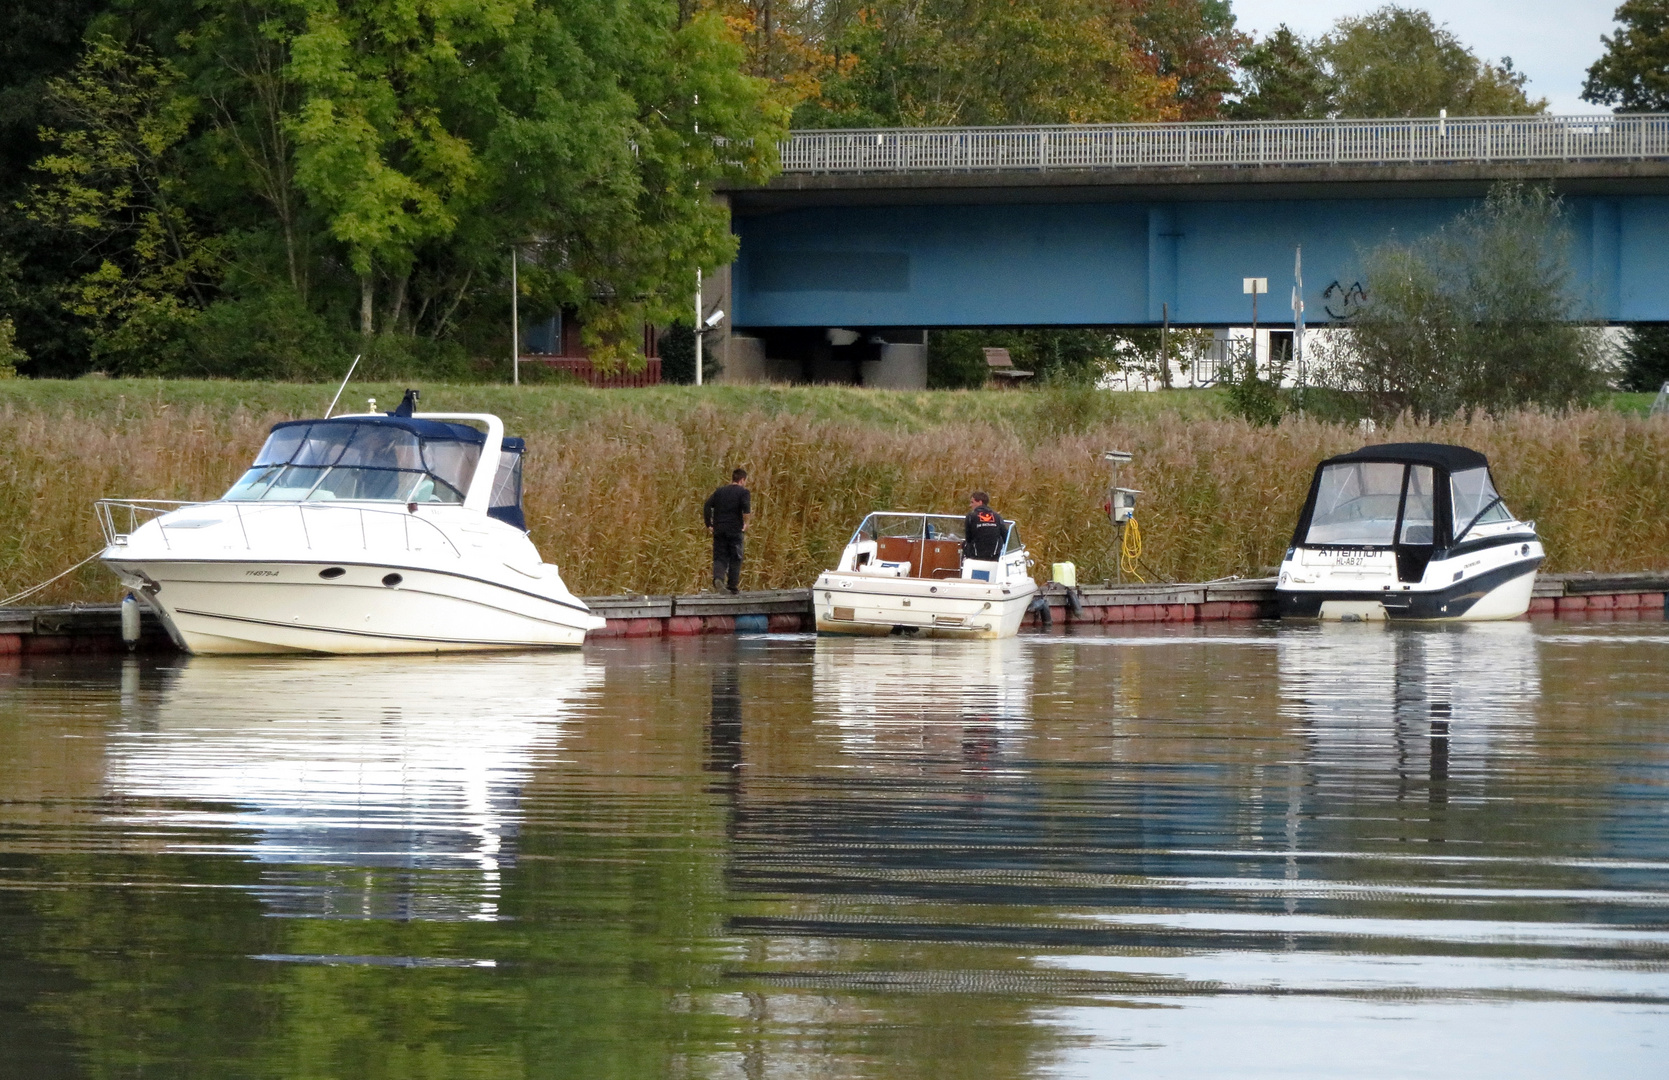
(983,530)
(726,513)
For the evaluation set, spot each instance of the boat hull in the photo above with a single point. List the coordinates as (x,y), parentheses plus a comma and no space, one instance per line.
(221,607)
(868,605)
(1500,593)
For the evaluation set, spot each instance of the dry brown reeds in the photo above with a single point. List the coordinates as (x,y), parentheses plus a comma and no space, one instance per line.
(614,497)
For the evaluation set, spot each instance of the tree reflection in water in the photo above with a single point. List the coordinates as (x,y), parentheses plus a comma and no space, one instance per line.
(773,855)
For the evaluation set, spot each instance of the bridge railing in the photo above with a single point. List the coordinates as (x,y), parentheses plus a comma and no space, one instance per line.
(1419,140)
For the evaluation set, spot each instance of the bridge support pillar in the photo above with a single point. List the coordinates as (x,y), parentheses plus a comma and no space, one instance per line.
(898,367)
(1605,259)
(1162,239)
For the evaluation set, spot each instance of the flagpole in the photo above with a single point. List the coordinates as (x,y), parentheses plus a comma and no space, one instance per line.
(1298,320)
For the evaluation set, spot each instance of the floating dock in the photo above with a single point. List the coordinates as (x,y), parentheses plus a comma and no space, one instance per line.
(92,628)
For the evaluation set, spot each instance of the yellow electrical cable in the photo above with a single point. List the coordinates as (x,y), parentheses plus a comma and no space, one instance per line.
(1130,552)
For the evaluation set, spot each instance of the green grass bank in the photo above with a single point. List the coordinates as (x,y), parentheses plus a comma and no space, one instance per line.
(615,479)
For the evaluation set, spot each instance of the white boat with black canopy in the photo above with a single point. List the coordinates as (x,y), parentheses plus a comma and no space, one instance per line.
(1408,531)
(911,574)
(371,533)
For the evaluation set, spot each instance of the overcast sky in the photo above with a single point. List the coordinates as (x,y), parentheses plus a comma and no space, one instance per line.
(1551,41)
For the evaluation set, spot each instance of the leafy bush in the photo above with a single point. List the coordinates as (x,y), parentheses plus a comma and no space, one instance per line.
(271,335)
(1479,316)
(10,354)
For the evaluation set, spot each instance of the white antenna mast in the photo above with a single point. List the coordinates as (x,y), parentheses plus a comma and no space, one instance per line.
(343,387)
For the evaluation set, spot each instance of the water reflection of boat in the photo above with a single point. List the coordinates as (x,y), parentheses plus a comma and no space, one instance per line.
(1367,694)
(359,534)
(1408,531)
(876,691)
(332,776)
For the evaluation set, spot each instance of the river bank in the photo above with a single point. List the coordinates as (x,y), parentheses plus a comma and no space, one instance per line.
(615,479)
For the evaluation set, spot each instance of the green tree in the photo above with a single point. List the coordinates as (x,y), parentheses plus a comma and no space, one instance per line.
(1478,316)
(1645,358)
(469,127)
(1391,62)
(114,179)
(10,354)
(1283,77)
(304,167)
(1397,62)
(39,41)
(1633,74)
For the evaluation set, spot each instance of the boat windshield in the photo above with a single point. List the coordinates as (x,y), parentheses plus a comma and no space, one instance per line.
(1356,504)
(925,527)
(1476,502)
(346,459)
(910,527)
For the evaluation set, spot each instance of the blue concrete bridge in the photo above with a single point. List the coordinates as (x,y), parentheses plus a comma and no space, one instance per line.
(1122,225)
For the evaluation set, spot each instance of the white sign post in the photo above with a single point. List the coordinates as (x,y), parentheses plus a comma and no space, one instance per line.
(1252,286)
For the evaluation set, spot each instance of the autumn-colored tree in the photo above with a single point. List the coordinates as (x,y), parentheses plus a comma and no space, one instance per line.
(1193,42)
(955,62)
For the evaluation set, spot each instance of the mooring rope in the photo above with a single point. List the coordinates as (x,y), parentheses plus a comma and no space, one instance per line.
(10,600)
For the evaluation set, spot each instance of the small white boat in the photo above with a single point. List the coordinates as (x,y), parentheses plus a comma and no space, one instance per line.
(907,574)
(378,533)
(1408,531)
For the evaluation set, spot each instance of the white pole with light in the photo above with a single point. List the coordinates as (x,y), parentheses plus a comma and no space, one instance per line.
(698,327)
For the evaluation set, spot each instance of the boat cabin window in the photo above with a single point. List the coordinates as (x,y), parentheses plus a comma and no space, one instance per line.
(361,461)
(1012,544)
(1476,502)
(1356,504)
(506,503)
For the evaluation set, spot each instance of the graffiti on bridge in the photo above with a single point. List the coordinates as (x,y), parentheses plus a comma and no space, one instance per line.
(1342,302)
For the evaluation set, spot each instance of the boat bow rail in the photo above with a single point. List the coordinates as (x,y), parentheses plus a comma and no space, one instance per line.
(132,513)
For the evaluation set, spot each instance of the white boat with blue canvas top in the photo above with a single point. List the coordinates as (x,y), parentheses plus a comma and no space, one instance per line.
(373,533)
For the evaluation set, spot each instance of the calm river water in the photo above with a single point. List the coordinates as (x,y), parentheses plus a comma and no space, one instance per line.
(1230,851)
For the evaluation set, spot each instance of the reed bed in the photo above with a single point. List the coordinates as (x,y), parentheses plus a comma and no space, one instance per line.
(615,484)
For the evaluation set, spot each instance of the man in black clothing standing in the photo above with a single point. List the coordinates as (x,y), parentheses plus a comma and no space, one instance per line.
(984,530)
(726,513)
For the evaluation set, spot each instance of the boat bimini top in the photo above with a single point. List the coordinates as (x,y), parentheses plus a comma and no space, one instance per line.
(381,458)
(1427,495)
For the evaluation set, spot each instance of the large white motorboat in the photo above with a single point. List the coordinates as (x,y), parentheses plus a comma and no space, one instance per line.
(375,533)
(908,574)
(1408,531)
